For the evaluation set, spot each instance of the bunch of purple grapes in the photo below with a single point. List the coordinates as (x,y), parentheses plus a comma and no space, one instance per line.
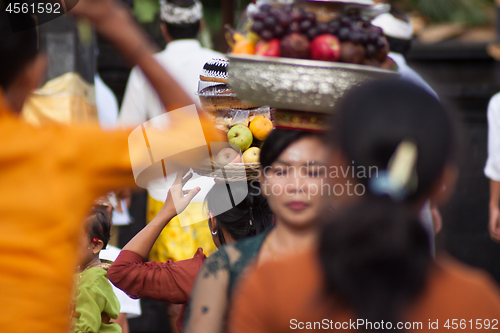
(272,22)
(358,30)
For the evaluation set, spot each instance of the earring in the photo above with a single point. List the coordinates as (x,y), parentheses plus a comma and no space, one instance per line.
(214,233)
(88,247)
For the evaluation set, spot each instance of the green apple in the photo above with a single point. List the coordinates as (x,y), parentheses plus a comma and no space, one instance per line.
(251,155)
(240,137)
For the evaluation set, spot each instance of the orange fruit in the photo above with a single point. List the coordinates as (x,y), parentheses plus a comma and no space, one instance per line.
(261,127)
(243,46)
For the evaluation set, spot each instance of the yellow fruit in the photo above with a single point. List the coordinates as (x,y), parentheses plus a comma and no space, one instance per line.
(238,37)
(244,46)
(261,127)
(251,155)
(253,37)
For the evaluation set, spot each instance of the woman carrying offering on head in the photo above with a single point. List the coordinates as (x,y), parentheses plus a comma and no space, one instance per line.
(293,172)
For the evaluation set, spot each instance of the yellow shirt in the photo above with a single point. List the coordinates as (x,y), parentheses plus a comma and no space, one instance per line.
(49,177)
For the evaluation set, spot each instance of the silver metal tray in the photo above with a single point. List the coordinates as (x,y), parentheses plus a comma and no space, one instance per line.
(296,84)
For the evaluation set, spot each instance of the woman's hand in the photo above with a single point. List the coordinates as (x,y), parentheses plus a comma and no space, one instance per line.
(176,201)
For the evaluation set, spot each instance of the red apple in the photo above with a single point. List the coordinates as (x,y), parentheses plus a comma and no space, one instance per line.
(268,48)
(325,47)
(352,53)
(228,155)
(295,45)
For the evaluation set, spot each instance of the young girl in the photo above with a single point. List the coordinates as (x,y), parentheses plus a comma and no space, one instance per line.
(95,302)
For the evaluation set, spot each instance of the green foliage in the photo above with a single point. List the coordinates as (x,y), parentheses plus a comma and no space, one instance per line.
(472,12)
(213,18)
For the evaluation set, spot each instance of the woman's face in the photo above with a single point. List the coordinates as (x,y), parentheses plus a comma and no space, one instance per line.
(295,184)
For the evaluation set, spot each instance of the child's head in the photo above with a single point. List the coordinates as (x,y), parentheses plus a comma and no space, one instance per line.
(96,235)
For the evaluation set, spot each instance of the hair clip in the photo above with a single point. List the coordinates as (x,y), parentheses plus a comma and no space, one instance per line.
(400,178)
(95,240)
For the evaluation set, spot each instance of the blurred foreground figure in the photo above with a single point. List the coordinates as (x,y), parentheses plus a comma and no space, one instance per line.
(372,265)
(51,175)
(398,30)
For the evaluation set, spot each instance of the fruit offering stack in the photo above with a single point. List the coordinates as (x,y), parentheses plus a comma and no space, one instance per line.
(291,32)
(214,93)
(245,139)
(246,126)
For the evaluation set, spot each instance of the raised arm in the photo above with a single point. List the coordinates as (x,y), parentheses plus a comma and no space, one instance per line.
(162,281)
(175,204)
(169,281)
(113,21)
(111,169)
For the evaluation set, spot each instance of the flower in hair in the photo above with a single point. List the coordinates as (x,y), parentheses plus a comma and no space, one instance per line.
(95,240)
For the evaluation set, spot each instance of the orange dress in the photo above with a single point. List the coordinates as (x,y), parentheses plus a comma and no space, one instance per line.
(49,177)
(287,296)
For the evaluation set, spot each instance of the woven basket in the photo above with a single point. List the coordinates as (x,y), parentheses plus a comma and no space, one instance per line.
(232,172)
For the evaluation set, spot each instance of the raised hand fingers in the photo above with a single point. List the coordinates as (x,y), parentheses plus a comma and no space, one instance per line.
(187,178)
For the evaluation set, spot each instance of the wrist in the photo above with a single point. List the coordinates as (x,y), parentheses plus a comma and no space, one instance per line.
(166,215)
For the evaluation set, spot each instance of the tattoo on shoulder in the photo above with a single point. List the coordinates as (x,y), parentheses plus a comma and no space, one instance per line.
(204,309)
(214,264)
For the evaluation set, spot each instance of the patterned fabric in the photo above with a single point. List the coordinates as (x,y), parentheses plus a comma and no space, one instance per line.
(216,69)
(301,120)
(174,14)
(179,243)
